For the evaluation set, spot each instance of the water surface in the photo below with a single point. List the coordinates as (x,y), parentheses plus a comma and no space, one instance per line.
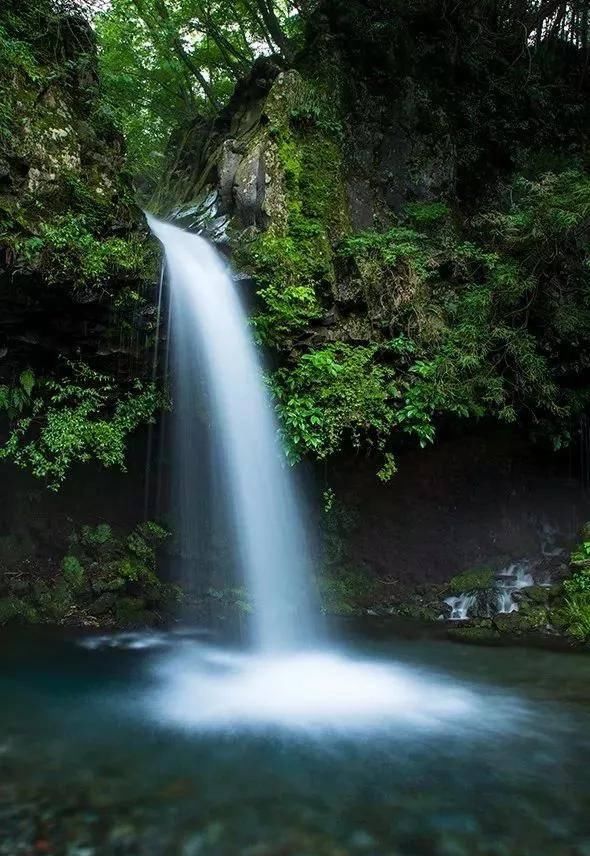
(93,762)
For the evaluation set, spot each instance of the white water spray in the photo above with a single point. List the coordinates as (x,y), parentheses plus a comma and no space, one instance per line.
(279,684)
(210,337)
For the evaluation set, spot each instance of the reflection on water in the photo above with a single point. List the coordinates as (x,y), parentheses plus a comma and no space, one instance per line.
(164,746)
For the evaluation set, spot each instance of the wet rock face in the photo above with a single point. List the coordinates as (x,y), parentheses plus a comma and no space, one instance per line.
(471,502)
(313,154)
(221,169)
(389,157)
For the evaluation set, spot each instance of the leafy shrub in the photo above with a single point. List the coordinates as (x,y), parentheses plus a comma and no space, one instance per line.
(574,615)
(16,609)
(336,392)
(465,329)
(66,249)
(82,417)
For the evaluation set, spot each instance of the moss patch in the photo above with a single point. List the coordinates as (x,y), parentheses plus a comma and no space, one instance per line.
(105,578)
(471,581)
(293,261)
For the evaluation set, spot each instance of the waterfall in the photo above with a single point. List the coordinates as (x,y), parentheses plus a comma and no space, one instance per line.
(212,346)
(291,678)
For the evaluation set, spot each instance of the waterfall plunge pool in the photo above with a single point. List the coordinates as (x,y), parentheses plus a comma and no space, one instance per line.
(158,744)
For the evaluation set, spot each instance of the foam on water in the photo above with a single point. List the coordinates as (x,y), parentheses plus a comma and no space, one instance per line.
(206,689)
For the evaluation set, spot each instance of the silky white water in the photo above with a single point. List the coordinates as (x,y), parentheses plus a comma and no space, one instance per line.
(211,341)
(290,678)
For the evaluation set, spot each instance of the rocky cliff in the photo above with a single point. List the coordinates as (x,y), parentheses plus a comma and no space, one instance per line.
(72,260)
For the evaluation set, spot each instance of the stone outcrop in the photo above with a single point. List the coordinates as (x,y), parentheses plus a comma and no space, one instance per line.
(71,246)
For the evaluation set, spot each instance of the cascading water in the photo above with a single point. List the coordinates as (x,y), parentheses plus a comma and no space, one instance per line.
(283,681)
(210,337)
(498,600)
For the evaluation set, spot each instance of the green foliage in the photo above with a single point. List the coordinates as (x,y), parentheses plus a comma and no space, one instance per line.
(389,467)
(80,418)
(574,615)
(67,250)
(345,592)
(54,602)
(468,330)
(335,393)
(96,536)
(16,609)
(104,575)
(286,270)
(573,610)
(424,214)
(73,573)
(15,399)
(555,207)
(579,582)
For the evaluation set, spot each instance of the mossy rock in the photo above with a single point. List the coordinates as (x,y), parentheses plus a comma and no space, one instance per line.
(536,594)
(477,580)
(105,603)
(534,613)
(426,612)
(524,621)
(131,612)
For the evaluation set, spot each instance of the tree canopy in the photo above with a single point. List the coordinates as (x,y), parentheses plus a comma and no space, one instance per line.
(163,61)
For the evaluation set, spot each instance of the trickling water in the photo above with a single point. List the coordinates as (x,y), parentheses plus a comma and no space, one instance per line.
(211,342)
(461,605)
(498,600)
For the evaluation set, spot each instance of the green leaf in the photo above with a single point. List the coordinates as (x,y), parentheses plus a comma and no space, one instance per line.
(27,381)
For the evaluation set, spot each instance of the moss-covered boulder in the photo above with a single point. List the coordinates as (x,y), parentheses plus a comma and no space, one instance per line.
(477,580)
(105,579)
(534,619)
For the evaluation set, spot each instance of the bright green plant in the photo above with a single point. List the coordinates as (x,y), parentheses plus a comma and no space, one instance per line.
(336,393)
(80,418)
(73,573)
(574,615)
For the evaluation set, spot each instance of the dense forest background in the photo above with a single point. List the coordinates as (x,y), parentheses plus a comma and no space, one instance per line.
(405,184)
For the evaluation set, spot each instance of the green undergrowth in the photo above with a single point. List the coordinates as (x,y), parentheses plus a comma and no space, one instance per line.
(66,250)
(105,578)
(574,614)
(496,325)
(82,416)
